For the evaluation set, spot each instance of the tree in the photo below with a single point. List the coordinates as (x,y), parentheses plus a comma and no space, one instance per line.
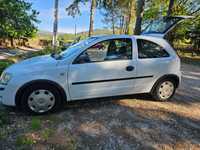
(55,25)
(157,8)
(110,19)
(17,20)
(112,12)
(131,17)
(139,16)
(74,10)
(170,7)
(119,14)
(92,13)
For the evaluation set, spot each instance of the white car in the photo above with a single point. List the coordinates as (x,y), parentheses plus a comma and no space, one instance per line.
(100,66)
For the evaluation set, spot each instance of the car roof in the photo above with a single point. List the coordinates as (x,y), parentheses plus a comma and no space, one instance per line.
(145,37)
(112,36)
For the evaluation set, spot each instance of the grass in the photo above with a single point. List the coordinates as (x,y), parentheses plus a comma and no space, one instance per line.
(35,124)
(72,145)
(24,140)
(4,118)
(52,119)
(47,133)
(3,134)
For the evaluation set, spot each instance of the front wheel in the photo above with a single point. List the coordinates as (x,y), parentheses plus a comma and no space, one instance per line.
(40,99)
(164,90)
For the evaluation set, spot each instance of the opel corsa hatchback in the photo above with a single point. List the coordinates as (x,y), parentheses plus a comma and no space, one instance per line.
(99,66)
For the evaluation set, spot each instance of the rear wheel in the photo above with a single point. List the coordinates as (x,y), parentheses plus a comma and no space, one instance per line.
(40,98)
(164,90)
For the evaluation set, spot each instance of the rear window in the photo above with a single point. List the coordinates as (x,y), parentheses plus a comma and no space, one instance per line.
(148,49)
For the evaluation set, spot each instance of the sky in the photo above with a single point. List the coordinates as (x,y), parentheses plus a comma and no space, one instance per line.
(66,23)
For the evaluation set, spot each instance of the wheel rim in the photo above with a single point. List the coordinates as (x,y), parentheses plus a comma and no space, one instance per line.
(166,90)
(41,101)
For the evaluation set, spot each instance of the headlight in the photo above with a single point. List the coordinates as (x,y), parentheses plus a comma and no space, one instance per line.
(5,78)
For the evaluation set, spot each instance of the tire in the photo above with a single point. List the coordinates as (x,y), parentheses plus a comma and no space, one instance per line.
(164,90)
(40,98)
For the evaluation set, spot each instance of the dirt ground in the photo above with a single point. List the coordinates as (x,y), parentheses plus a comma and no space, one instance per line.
(122,123)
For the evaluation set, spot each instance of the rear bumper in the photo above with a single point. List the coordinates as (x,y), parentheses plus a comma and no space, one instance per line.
(180,78)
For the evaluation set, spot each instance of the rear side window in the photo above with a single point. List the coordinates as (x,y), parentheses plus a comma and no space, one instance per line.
(148,49)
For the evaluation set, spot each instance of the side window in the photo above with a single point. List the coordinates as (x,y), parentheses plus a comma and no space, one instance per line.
(114,49)
(148,49)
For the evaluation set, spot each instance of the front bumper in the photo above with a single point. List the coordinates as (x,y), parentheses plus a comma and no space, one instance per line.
(1,97)
(7,95)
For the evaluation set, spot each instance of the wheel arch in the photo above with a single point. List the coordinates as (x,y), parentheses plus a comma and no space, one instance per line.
(42,81)
(168,76)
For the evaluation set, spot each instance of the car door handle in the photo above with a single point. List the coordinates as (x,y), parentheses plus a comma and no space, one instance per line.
(130,68)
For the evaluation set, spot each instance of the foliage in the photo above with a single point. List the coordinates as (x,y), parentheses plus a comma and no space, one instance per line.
(189,57)
(4,64)
(158,8)
(194,33)
(114,13)
(17,19)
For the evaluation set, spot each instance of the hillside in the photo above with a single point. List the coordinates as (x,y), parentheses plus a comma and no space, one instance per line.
(70,36)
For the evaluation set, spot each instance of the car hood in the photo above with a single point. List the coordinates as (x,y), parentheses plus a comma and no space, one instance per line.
(39,63)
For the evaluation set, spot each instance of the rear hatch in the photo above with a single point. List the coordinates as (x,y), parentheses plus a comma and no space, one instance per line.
(162,26)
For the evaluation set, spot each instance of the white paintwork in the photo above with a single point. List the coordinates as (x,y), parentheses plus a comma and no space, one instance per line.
(64,73)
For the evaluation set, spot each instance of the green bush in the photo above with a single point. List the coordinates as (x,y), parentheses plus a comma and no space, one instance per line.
(4,64)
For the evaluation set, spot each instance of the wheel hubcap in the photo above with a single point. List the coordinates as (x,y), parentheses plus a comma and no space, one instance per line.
(166,89)
(41,101)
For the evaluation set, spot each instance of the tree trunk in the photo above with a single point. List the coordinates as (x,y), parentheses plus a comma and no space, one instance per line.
(139,16)
(92,13)
(55,26)
(170,7)
(11,41)
(121,24)
(113,23)
(131,20)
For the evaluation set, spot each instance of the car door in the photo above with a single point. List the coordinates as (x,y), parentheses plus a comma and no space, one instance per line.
(105,69)
(153,62)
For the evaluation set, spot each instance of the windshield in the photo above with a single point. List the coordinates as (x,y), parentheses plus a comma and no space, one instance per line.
(75,47)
